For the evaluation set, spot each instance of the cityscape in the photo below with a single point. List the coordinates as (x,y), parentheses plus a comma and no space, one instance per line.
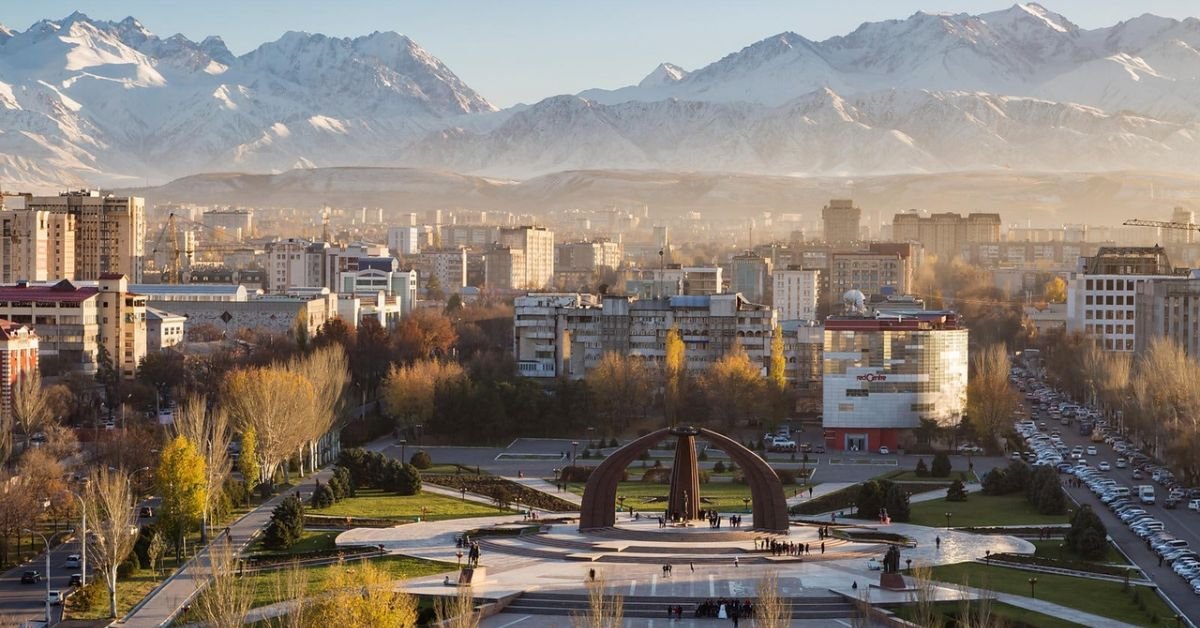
(892,325)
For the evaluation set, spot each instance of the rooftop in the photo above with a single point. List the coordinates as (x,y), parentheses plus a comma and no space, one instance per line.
(63,291)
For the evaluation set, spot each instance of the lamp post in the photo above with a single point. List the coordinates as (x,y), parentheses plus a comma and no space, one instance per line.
(746,501)
(403,448)
(1032,585)
(987,557)
(948,515)
(574,448)
(621,502)
(47,542)
(417,429)
(82,539)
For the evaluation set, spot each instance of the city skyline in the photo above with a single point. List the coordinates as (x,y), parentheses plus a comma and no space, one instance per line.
(501,50)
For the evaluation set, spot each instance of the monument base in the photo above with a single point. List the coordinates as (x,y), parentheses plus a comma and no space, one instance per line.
(892,582)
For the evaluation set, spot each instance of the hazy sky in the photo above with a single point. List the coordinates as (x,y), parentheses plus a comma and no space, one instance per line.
(524,50)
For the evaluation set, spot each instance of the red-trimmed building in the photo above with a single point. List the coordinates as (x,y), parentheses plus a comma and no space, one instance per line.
(18,357)
(883,374)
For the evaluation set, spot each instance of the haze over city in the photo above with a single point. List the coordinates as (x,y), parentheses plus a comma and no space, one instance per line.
(485,315)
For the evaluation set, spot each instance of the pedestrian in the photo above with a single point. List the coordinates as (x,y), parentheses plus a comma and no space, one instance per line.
(938,542)
(822,547)
(735,561)
(692,565)
(810,492)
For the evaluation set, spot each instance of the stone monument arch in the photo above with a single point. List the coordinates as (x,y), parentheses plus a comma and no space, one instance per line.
(600,495)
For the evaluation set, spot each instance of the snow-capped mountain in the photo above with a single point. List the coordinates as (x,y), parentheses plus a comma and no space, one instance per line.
(89,100)
(83,100)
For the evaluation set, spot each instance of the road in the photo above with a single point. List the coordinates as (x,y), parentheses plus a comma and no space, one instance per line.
(24,602)
(1180,522)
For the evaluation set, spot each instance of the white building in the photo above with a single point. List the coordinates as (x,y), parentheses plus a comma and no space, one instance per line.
(163,329)
(404,240)
(534,268)
(796,293)
(1101,293)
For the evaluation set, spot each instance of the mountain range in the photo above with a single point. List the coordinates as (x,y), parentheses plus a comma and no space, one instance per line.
(86,101)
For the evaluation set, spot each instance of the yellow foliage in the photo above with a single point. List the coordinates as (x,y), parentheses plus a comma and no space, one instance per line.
(181,480)
(408,389)
(364,595)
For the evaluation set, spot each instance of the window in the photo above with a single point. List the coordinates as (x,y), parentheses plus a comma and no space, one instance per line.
(856,392)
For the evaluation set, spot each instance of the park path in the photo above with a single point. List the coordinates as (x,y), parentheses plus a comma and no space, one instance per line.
(164,603)
(539,484)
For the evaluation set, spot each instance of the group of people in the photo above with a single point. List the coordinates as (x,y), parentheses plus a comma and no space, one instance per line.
(790,548)
(472,548)
(714,518)
(725,609)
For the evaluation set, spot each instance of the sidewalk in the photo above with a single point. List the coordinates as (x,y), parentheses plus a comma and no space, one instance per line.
(543,486)
(161,606)
(819,490)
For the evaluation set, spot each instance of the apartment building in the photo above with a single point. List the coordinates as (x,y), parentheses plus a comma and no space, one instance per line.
(1168,308)
(673,279)
(946,235)
(36,245)
(235,224)
(18,358)
(795,293)
(536,262)
(842,221)
(104,234)
(751,276)
(869,272)
(163,329)
(1102,292)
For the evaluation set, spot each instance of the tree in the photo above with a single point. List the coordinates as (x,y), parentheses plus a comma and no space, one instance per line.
(771,609)
(327,372)
(1087,538)
(112,526)
(957,492)
(287,524)
(733,386)
(289,586)
(869,501)
(30,405)
(674,372)
(272,401)
(458,610)
(1055,290)
(621,385)
(363,595)
(433,288)
(994,482)
(209,433)
(941,465)
(421,460)
(180,480)
(248,463)
(423,334)
(605,610)
(991,400)
(155,551)
(408,390)
(922,470)
(895,500)
(335,331)
(777,373)
(227,596)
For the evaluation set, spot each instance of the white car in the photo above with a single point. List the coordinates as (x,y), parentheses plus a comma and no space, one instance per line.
(55,597)
(1122,463)
(1091,450)
(1103,466)
(72,562)
(874,565)
(884,450)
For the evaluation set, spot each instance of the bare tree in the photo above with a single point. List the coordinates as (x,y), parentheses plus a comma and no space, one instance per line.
(327,371)
(923,595)
(604,610)
(991,400)
(227,596)
(209,432)
(273,401)
(155,551)
(771,609)
(30,404)
(112,526)
(458,610)
(289,586)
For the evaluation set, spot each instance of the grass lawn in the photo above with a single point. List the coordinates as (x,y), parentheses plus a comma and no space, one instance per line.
(311,541)
(911,476)
(376,504)
(1098,597)
(999,610)
(726,495)
(981,510)
(1054,549)
(398,567)
(130,591)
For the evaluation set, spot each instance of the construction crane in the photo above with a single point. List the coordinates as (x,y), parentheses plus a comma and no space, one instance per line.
(1161,224)
(168,237)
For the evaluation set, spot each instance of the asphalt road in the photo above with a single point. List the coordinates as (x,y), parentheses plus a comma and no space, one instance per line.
(24,602)
(1180,522)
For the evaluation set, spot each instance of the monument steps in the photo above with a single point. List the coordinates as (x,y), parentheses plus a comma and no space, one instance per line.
(650,607)
(686,535)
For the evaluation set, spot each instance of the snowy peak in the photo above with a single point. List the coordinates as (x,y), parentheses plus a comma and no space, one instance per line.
(664,74)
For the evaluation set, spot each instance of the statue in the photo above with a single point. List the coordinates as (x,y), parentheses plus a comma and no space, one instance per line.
(891,560)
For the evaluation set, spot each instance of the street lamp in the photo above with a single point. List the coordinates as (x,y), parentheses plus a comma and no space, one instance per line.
(987,557)
(948,515)
(1032,585)
(417,429)
(403,447)
(82,539)
(746,501)
(621,502)
(47,542)
(574,448)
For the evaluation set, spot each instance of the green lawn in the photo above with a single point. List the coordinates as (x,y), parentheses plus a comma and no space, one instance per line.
(981,510)
(1054,549)
(311,541)
(999,610)
(911,476)
(376,504)
(725,495)
(1099,597)
(398,567)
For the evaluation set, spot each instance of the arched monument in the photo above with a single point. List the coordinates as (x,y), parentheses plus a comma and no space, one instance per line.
(766,491)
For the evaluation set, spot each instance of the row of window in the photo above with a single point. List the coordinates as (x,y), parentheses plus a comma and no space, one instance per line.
(1112,284)
(1108,315)
(1109,299)
(1109,329)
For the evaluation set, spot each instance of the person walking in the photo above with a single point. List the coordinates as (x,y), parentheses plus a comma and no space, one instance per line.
(938,541)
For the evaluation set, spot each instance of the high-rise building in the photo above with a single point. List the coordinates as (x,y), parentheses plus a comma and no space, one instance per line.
(18,358)
(236,224)
(404,240)
(751,274)
(946,235)
(884,375)
(537,261)
(110,231)
(1168,308)
(1181,236)
(1101,293)
(796,293)
(504,268)
(841,220)
(869,272)
(36,246)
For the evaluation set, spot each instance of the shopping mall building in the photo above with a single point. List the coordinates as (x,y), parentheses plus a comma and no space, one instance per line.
(884,373)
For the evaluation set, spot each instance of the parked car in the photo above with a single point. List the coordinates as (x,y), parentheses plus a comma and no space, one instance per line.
(146,512)
(76,580)
(884,450)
